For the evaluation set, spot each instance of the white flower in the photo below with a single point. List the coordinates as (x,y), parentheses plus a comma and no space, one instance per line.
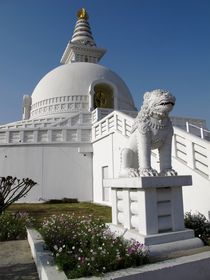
(55,247)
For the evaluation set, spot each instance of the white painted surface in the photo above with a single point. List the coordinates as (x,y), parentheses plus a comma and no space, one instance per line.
(43,258)
(106,152)
(67,89)
(158,216)
(56,168)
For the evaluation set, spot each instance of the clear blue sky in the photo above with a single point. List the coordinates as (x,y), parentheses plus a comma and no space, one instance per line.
(150,44)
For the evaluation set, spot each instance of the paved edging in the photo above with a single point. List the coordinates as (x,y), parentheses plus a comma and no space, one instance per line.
(43,258)
(193,267)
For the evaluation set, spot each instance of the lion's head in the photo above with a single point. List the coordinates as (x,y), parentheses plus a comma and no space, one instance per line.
(157,104)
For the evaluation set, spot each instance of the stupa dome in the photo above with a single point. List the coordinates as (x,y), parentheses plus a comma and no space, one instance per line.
(73,87)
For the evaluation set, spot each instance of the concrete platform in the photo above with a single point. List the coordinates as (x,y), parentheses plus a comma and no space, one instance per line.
(16,261)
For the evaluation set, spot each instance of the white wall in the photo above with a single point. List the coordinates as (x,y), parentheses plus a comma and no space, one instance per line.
(196,197)
(106,152)
(102,156)
(59,170)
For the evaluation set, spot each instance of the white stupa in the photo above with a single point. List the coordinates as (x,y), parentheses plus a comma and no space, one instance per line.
(80,84)
(52,144)
(75,124)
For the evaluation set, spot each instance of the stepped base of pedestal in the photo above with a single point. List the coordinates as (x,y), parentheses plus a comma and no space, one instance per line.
(174,249)
(153,239)
(162,245)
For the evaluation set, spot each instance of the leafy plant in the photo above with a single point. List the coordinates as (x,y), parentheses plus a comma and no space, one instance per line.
(12,189)
(84,246)
(199,224)
(13,225)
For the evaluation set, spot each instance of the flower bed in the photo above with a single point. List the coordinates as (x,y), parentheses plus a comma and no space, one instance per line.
(13,225)
(84,246)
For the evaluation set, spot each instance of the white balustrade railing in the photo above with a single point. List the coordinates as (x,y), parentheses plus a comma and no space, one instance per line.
(52,135)
(116,121)
(192,150)
(76,128)
(100,113)
(199,131)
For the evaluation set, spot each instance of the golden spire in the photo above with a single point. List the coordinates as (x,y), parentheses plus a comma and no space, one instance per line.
(82,14)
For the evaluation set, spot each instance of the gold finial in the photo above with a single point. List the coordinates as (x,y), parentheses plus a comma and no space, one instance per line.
(82,14)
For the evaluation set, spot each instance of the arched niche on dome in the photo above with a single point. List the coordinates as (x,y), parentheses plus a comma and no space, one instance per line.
(103,95)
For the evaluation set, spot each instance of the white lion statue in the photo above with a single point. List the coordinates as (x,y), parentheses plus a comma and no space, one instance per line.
(152,129)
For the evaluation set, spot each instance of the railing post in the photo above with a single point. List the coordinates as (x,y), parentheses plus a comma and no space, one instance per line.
(187,127)
(202,133)
(123,127)
(173,147)
(49,135)
(208,158)
(107,125)
(115,121)
(35,136)
(7,136)
(64,135)
(79,135)
(190,153)
(100,128)
(21,136)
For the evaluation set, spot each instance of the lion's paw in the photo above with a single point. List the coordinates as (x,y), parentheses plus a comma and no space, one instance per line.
(147,172)
(168,172)
(133,172)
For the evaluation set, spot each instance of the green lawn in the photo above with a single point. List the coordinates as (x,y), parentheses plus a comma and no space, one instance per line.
(39,211)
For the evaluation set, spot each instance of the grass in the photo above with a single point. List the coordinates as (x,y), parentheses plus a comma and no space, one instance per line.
(40,211)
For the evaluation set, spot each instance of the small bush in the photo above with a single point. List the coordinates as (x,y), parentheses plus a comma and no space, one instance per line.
(13,225)
(199,224)
(63,200)
(84,246)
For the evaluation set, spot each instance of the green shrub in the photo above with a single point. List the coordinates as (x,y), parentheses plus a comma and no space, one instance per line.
(63,200)
(13,226)
(83,246)
(199,224)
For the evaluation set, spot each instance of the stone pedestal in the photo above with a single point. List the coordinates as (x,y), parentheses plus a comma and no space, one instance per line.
(149,209)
